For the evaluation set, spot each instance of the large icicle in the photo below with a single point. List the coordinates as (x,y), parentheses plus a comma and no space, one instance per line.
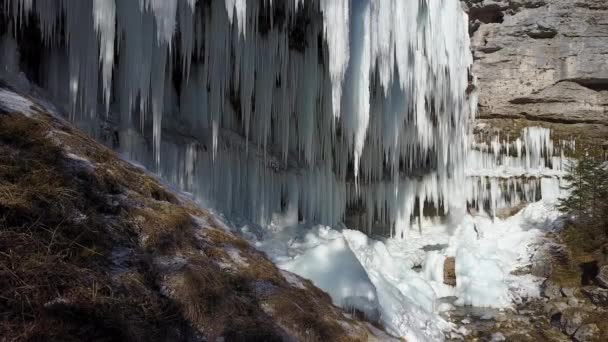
(104,17)
(336,29)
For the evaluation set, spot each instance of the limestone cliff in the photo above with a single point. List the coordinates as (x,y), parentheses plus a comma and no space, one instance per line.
(542,60)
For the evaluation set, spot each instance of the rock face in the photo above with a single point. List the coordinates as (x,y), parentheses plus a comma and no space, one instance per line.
(542,262)
(596,295)
(602,277)
(449,271)
(542,60)
(571,320)
(587,332)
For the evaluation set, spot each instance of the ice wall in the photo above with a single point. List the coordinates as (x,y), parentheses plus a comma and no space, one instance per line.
(505,172)
(322,107)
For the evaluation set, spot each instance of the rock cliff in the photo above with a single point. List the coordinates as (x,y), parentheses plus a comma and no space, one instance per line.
(542,60)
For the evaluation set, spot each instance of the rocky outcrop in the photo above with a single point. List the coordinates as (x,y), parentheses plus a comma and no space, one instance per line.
(602,277)
(596,295)
(542,60)
(588,332)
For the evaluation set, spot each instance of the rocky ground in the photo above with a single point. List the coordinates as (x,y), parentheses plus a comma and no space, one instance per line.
(94,248)
(573,305)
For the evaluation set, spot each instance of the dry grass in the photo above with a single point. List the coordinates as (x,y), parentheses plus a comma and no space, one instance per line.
(164,227)
(60,223)
(54,243)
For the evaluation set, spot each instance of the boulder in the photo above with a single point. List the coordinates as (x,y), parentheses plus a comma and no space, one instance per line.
(571,320)
(602,277)
(541,263)
(449,271)
(587,333)
(596,295)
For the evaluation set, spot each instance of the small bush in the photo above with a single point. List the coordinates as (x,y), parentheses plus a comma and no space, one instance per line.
(588,187)
(587,203)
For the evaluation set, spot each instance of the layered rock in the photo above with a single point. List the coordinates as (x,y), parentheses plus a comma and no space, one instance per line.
(542,60)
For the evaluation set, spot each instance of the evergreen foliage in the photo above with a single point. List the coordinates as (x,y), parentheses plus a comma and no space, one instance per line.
(588,192)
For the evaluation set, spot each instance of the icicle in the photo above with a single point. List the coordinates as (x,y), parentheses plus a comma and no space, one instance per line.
(165,13)
(240,8)
(104,18)
(336,28)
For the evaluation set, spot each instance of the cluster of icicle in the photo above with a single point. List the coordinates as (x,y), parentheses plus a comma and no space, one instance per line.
(305,107)
(504,173)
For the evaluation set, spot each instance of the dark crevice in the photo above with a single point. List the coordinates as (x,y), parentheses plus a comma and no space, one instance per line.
(595,84)
(530,117)
(589,270)
(556,319)
(534,118)
(487,14)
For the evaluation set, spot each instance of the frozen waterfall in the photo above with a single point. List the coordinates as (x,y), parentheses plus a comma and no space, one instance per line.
(325,109)
(299,120)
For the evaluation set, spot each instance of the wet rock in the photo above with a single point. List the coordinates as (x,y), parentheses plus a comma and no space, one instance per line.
(449,271)
(435,247)
(586,333)
(596,295)
(602,277)
(571,320)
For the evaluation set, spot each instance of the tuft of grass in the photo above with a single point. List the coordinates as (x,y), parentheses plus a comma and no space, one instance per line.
(55,282)
(164,227)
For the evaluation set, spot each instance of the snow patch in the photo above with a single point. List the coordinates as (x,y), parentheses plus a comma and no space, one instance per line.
(14,103)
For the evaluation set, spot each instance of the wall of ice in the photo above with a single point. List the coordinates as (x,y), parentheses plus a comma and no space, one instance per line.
(506,172)
(261,107)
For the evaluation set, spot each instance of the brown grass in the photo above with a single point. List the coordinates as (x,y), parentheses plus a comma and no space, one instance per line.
(53,268)
(164,227)
(60,223)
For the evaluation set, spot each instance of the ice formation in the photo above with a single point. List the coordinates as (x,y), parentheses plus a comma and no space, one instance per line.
(330,107)
(503,172)
(302,112)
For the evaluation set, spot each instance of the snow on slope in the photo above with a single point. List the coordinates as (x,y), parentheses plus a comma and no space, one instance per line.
(377,276)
